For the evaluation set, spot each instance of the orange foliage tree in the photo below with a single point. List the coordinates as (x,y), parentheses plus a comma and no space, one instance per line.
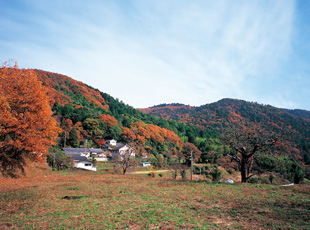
(189,148)
(154,133)
(27,128)
(108,120)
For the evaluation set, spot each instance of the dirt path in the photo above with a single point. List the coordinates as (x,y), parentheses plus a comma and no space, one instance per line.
(146,172)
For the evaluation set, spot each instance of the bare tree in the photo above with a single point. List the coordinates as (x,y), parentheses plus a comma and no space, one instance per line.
(179,167)
(247,142)
(124,161)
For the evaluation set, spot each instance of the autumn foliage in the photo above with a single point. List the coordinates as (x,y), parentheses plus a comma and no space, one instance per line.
(108,120)
(27,128)
(61,88)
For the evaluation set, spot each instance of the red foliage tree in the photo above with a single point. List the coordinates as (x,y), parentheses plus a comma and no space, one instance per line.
(100,142)
(27,128)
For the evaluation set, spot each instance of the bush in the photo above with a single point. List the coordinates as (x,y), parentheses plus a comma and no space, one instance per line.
(216,174)
(253,180)
(183,174)
(231,171)
(174,174)
(151,174)
(271,177)
(264,180)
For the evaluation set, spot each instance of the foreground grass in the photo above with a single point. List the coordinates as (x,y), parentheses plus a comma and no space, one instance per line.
(80,200)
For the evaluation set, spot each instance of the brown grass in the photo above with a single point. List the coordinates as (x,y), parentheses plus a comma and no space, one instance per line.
(106,201)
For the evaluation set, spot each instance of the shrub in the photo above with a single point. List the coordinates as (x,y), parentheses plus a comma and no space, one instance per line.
(183,174)
(264,180)
(216,174)
(271,177)
(253,180)
(151,174)
(231,171)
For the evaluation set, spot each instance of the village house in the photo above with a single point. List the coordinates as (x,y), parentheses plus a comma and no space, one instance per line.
(82,162)
(145,164)
(82,157)
(109,143)
(119,149)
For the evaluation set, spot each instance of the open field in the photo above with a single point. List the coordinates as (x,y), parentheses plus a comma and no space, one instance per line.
(93,200)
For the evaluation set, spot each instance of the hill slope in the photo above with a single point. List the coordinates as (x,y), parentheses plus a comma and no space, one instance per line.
(96,116)
(220,114)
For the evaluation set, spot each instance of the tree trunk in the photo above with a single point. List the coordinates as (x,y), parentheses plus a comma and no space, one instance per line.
(245,167)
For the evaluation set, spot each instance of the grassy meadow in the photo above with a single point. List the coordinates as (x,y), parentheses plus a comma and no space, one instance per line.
(101,200)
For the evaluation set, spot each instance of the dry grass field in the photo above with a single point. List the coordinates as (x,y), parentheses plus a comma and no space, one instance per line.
(95,200)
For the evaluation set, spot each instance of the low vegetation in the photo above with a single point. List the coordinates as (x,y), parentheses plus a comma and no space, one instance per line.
(98,200)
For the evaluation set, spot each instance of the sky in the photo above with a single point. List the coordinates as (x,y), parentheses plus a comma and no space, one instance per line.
(149,52)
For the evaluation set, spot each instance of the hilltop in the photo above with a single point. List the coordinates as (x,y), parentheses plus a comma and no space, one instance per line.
(218,115)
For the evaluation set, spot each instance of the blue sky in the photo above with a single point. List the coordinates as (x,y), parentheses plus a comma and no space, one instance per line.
(151,52)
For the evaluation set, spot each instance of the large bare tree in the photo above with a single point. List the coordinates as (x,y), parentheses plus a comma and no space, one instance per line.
(247,141)
(124,161)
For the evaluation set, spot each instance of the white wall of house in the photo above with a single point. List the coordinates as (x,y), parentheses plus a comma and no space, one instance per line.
(146,164)
(85,165)
(110,142)
(101,159)
(122,151)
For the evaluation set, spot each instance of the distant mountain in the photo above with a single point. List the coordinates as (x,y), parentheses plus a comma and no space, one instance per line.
(304,114)
(218,115)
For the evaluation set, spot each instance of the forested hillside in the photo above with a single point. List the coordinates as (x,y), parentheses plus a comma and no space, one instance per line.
(85,113)
(221,114)
(88,116)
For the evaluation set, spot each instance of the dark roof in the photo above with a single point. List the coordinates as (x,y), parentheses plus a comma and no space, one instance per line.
(74,151)
(79,158)
(96,151)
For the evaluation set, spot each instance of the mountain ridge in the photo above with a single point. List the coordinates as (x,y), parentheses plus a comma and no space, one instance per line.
(221,114)
(300,113)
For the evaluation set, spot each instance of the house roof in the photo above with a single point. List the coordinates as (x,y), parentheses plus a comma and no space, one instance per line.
(75,151)
(79,158)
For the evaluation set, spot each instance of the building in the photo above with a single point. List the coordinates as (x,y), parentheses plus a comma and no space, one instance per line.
(119,149)
(109,143)
(145,164)
(82,157)
(82,162)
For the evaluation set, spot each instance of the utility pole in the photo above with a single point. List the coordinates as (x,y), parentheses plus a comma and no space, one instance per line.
(191,165)
(85,145)
(65,139)
(54,161)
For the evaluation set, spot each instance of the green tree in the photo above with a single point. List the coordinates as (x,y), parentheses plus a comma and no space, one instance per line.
(115,132)
(73,138)
(58,160)
(92,126)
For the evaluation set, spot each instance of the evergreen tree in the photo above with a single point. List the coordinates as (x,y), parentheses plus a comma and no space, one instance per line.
(73,138)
